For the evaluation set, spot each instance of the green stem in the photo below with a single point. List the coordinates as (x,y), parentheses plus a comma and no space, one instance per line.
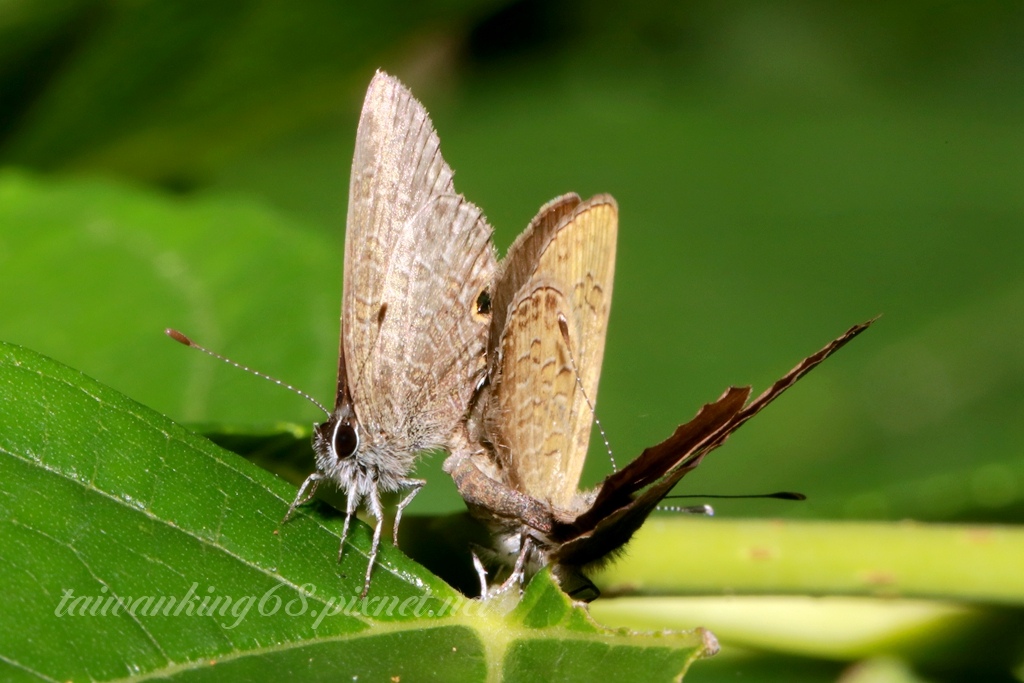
(909,559)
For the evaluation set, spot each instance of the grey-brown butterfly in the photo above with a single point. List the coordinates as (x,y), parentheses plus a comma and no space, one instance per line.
(414,315)
(550,304)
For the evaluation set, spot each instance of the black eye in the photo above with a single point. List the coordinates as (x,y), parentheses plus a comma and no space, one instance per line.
(346,440)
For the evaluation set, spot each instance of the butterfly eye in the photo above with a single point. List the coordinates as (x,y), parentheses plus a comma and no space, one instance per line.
(345,441)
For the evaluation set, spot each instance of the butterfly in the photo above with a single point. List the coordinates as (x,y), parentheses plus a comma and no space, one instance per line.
(550,305)
(415,312)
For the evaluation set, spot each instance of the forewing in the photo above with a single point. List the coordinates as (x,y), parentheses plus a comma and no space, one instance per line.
(581,255)
(551,345)
(520,263)
(430,352)
(417,257)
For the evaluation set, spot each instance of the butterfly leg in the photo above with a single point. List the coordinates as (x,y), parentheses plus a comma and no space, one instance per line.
(304,495)
(518,575)
(352,503)
(373,502)
(415,485)
(481,574)
(519,570)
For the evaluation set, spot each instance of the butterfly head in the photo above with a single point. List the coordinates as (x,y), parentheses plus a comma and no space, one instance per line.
(336,441)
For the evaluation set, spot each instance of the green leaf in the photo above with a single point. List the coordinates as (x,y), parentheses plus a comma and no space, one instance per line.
(575,648)
(116,264)
(135,549)
(104,497)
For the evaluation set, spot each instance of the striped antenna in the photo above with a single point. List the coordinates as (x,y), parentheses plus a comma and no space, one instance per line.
(182,339)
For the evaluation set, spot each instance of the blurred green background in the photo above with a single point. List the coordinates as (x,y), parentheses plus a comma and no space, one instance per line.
(783,170)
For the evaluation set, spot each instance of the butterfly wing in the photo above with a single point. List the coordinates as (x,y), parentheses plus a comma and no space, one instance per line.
(520,263)
(537,418)
(418,257)
(623,503)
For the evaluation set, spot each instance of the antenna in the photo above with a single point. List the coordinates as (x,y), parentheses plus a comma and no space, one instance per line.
(705,510)
(563,327)
(710,512)
(182,339)
(778,495)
